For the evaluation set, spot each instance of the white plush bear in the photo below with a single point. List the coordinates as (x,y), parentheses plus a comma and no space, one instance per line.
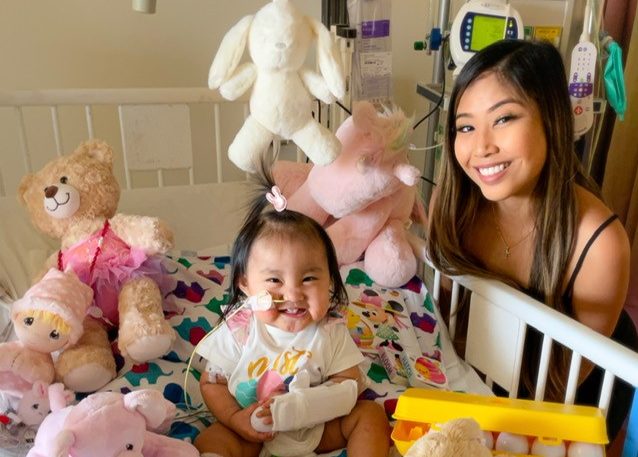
(281,102)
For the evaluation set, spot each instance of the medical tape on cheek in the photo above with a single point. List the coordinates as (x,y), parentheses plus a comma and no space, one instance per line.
(313,405)
(263,301)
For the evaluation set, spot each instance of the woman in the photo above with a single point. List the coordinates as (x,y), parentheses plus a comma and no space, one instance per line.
(514,204)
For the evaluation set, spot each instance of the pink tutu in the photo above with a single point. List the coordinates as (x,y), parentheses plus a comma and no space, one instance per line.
(115,264)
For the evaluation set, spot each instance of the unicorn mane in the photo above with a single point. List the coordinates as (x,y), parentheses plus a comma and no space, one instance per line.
(394,127)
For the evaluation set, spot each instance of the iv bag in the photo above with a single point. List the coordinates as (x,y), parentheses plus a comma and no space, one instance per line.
(372,58)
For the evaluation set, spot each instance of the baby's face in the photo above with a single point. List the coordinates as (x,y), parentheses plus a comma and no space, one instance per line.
(292,270)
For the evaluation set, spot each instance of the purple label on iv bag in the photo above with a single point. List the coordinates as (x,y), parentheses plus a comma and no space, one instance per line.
(375,29)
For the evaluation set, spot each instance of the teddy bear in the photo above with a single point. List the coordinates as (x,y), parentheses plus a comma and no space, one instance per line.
(283,92)
(111,424)
(455,438)
(74,199)
(367,198)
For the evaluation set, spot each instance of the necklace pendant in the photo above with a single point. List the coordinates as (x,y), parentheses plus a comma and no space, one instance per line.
(507,252)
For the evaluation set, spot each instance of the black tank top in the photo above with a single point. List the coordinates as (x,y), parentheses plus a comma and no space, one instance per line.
(569,290)
(624,333)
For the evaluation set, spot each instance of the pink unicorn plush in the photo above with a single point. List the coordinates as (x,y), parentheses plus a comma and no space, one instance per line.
(367,197)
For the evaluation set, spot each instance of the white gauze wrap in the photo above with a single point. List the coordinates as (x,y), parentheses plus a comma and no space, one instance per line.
(310,406)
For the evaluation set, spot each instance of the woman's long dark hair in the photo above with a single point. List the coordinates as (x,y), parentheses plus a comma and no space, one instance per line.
(263,221)
(535,71)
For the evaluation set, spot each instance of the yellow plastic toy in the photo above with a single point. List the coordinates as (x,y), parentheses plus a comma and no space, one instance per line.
(550,423)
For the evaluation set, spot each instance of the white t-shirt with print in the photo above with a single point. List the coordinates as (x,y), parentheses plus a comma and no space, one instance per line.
(259,359)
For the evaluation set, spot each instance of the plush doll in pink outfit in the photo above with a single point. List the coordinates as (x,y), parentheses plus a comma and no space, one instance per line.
(367,197)
(109,424)
(48,318)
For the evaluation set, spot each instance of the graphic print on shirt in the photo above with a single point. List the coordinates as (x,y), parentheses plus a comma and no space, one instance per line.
(267,378)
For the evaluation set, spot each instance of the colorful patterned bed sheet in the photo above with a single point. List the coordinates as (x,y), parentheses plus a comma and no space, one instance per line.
(390,322)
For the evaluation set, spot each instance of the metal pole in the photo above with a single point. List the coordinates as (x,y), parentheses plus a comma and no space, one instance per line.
(438,74)
(334,12)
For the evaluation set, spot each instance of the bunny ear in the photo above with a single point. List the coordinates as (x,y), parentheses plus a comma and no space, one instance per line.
(229,53)
(329,59)
(40,388)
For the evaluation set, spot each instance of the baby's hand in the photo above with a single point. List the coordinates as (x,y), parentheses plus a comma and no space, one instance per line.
(240,422)
(261,418)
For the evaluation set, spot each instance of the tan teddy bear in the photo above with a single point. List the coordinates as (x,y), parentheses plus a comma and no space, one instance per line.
(456,438)
(74,199)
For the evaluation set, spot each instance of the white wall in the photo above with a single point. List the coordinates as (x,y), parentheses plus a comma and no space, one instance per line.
(104,43)
(47,44)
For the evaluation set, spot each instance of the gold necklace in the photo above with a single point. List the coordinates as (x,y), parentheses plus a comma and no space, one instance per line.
(508,247)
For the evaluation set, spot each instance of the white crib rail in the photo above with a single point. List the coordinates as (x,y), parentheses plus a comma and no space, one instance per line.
(488,344)
(489,339)
(134,107)
(156,119)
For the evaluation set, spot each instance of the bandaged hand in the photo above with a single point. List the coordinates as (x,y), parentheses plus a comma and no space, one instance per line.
(305,407)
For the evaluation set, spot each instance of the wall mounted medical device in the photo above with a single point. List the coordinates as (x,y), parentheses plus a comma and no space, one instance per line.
(581,78)
(480,23)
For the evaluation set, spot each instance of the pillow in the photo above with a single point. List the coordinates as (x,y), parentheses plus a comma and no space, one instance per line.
(23,250)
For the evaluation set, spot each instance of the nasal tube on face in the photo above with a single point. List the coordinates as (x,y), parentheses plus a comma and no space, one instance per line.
(261,302)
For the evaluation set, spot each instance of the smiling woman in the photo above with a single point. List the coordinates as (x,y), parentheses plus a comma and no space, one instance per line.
(514,204)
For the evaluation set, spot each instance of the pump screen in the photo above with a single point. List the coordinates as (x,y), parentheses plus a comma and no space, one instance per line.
(486,30)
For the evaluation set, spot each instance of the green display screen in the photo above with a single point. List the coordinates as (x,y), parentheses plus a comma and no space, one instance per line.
(486,30)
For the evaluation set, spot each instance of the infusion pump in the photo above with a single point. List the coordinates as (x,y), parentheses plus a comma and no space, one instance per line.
(480,23)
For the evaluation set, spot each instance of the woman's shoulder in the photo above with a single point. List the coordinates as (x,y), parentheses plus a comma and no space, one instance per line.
(593,215)
(601,263)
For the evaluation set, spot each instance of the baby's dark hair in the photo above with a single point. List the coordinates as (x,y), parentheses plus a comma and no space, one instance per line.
(263,221)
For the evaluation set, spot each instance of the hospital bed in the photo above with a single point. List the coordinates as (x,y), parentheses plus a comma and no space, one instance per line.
(171,153)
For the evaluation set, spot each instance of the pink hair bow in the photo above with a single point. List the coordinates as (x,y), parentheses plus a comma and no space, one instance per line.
(277,200)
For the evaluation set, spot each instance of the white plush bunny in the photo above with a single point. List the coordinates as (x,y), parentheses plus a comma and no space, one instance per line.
(279,37)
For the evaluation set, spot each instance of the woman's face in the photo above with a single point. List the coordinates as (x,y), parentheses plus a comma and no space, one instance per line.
(500,142)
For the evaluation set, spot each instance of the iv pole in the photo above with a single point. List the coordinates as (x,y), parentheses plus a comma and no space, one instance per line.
(438,74)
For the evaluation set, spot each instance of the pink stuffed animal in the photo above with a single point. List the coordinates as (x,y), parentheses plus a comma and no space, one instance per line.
(109,424)
(32,406)
(370,189)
